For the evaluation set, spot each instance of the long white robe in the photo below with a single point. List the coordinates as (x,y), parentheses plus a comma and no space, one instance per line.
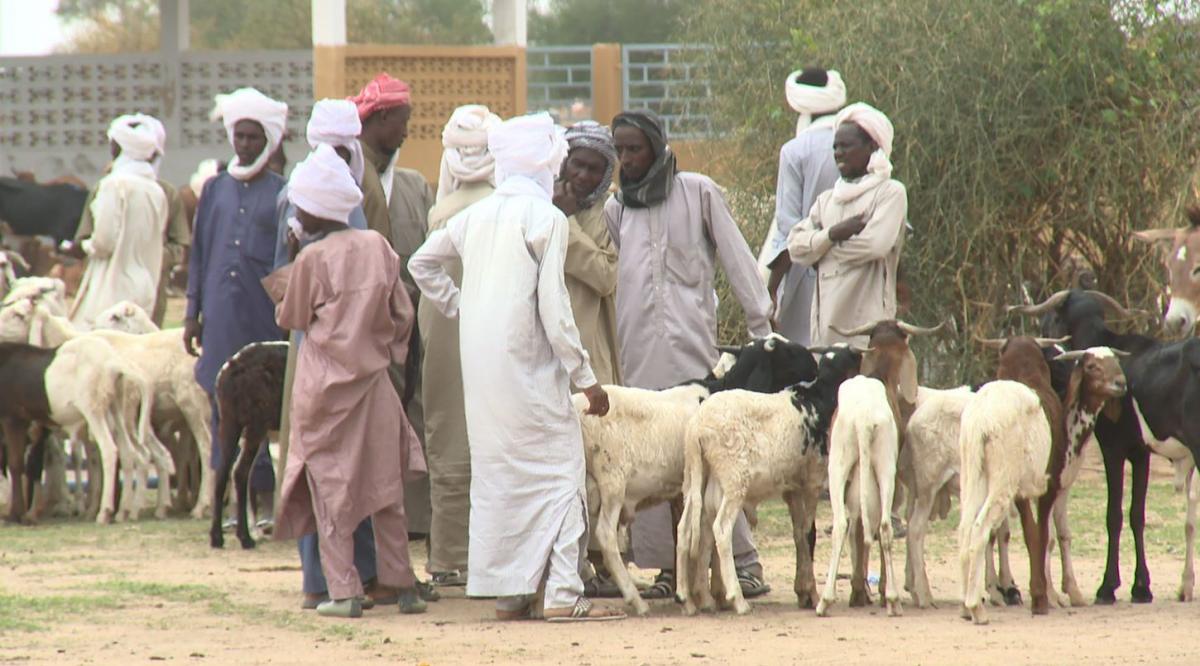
(125,252)
(520,352)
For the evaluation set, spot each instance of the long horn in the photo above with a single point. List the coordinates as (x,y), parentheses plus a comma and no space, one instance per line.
(991,343)
(1155,235)
(1071,355)
(1110,303)
(1043,307)
(1048,342)
(919,330)
(855,332)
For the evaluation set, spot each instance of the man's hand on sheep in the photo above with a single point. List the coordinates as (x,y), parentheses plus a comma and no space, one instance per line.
(191,335)
(597,400)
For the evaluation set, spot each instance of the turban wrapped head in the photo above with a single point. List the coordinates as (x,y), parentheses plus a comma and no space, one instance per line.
(322,186)
(335,122)
(876,125)
(465,158)
(382,92)
(527,148)
(655,185)
(136,138)
(810,100)
(250,104)
(594,136)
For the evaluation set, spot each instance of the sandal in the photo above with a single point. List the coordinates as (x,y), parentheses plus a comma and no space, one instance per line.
(449,578)
(584,611)
(663,587)
(752,585)
(346,608)
(601,587)
(410,602)
(427,592)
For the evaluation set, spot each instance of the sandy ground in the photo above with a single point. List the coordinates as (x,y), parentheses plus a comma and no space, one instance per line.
(153,591)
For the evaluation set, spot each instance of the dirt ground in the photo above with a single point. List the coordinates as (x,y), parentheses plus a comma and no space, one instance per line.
(151,591)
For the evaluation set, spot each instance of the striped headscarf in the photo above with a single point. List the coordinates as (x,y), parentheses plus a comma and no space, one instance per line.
(592,135)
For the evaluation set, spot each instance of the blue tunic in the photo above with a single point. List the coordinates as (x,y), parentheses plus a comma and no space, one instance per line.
(233,249)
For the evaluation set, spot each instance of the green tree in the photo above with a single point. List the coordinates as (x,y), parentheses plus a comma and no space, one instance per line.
(109,26)
(1028,133)
(591,22)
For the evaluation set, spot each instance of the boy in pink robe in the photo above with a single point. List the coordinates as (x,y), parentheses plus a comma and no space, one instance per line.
(351,444)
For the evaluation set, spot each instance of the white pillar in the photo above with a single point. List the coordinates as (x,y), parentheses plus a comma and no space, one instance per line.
(508,22)
(329,22)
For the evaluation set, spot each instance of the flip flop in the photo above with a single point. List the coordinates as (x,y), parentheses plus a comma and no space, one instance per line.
(663,587)
(582,612)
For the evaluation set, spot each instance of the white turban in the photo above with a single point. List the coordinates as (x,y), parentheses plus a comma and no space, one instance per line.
(156,126)
(322,186)
(809,100)
(879,128)
(250,104)
(530,147)
(335,122)
(466,158)
(136,138)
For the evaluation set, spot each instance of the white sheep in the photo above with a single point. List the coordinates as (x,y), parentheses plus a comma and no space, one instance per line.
(864,438)
(1005,444)
(127,317)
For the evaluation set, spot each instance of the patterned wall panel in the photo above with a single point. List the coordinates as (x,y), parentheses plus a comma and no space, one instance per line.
(443,78)
(282,75)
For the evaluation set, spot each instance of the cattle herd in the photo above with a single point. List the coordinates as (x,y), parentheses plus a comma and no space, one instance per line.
(773,419)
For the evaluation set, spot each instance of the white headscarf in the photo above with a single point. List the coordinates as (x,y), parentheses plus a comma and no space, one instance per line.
(250,104)
(321,185)
(160,138)
(466,158)
(528,151)
(879,169)
(335,122)
(809,100)
(136,140)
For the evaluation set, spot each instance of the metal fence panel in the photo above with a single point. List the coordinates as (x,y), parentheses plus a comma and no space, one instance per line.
(559,80)
(668,79)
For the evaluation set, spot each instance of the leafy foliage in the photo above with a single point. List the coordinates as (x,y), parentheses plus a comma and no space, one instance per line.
(591,22)
(1033,135)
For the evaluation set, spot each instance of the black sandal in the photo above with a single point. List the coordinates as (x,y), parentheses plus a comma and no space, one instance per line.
(752,585)
(663,587)
(600,587)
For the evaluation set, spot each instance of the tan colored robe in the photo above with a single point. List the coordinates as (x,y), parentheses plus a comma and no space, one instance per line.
(175,244)
(856,278)
(591,275)
(351,446)
(446,443)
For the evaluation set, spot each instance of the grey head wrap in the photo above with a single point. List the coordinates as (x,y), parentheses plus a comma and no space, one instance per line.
(591,134)
(655,186)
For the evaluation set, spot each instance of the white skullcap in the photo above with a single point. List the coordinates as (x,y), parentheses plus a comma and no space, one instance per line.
(335,122)
(809,100)
(466,158)
(322,186)
(872,121)
(136,139)
(250,104)
(530,146)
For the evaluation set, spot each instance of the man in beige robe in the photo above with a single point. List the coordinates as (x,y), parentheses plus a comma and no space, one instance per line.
(179,230)
(351,445)
(467,175)
(854,233)
(396,202)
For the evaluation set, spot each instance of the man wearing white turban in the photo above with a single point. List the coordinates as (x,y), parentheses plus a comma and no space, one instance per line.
(467,176)
(520,354)
(806,169)
(179,232)
(854,233)
(233,249)
(125,250)
(344,464)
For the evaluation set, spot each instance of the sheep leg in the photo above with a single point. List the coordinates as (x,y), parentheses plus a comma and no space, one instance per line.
(884,466)
(1188,581)
(606,535)
(197,424)
(731,505)
(1062,526)
(1006,583)
(15,433)
(241,479)
(918,525)
(841,531)
(860,557)
(1037,556)
(702,576)
(77,466)
(107,451)
(1140,472)
(229,436)
(979,533)
(799,508)
(1114,474)
(973,498)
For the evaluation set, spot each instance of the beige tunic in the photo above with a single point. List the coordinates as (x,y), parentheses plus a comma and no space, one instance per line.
(351,445)
(446,444)
(591,275)
(856,278)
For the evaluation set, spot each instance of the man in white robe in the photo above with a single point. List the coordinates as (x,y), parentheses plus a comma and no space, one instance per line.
(520,353)
(125,251)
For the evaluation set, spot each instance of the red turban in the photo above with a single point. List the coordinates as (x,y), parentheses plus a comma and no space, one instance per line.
(383,92)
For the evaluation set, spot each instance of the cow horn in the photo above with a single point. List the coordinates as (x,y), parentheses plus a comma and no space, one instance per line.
(919,330)
(1047,342)
(1071,355)
(991,343)
(1155,235)
(769,345)
(855,332)
(1110,303)
(1043,307)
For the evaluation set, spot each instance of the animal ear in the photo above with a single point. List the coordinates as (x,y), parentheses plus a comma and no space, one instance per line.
(1074,384)
(908,378)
